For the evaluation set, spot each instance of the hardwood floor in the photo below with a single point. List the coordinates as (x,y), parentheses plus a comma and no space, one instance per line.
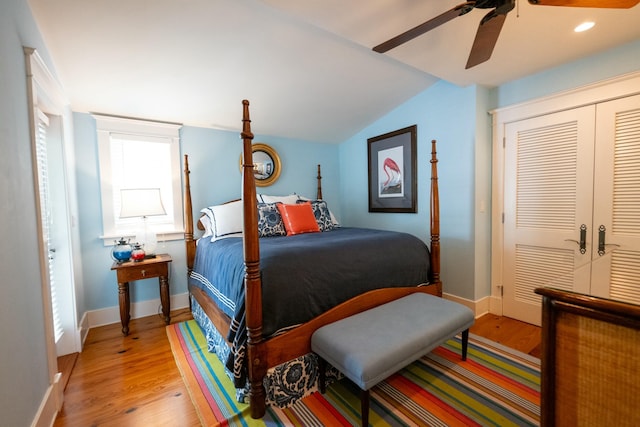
(511,333)
(134,381)
(65,365)
(128,381)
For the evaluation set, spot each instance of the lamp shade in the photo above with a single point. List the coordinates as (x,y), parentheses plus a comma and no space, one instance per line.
(140,202)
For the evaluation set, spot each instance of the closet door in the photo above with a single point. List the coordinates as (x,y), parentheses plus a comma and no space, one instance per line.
(616,262)
(547,208)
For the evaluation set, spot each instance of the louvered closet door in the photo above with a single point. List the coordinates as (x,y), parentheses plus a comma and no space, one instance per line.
(616,271)
(548,197)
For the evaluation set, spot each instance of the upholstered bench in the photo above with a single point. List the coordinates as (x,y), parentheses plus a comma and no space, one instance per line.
(370,346)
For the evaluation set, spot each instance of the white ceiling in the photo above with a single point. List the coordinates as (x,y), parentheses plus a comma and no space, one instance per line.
(306,66)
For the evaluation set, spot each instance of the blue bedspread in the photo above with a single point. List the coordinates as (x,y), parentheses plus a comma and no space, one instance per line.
(307,274)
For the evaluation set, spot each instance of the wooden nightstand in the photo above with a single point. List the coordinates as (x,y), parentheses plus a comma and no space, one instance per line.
(146,269)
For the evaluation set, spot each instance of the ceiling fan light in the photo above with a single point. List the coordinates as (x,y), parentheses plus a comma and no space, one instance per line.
(584,26)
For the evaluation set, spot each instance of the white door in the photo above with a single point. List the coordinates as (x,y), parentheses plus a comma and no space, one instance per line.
(547,208)
(54,207)
(616,214)
(572,205)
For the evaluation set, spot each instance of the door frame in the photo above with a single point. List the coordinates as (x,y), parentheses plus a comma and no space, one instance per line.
(46,95)
(606,90)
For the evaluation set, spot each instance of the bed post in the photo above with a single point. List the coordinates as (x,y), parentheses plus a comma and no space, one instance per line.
(319,190)
(189,242)
(252,281)
(435,221)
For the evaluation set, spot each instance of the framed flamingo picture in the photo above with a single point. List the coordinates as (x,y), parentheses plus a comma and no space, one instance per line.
(392,171)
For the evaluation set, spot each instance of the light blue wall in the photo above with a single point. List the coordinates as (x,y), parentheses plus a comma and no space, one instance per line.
(214,157)
(458,119)
(446,113)
(482,203)
(24,377)
(612,63)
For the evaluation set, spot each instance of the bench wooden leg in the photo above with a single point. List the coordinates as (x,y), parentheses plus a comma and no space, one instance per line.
(364,407)
(465,343)
(322,375)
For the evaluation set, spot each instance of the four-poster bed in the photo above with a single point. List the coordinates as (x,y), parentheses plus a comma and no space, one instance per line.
(271,343)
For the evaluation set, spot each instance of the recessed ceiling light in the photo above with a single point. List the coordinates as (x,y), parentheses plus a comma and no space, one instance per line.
(584,26)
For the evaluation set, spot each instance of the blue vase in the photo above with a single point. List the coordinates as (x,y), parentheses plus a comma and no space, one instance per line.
(121,251)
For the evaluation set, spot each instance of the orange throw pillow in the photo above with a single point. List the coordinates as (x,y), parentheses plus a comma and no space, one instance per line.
(298,218)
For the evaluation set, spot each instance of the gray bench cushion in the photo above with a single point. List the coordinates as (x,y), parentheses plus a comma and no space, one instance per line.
(370,346)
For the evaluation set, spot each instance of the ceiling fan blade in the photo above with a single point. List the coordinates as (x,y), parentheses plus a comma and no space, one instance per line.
(459,10)
(607,4)
(486,38)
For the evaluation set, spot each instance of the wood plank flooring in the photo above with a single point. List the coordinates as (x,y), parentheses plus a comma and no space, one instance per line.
(134,381)
(511,333)
(128,381)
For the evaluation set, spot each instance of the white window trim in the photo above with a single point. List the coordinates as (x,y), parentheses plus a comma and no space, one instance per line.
(107,125)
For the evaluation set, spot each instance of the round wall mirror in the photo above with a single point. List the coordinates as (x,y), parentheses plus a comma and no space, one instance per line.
(266,164)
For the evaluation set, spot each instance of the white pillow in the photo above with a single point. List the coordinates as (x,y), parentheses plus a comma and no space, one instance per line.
(206,224)
(225,219)
(226,236)
(291,199)
(334,220)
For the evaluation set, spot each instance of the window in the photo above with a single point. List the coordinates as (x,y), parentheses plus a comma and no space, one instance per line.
(138,154)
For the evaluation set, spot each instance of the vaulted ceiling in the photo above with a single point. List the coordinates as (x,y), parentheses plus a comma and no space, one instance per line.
(306,66)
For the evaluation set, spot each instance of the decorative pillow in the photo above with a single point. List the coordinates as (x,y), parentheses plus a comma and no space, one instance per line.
(225,219)
(322,214)
(291,199)
(298,218)
(270,221)
(334,220)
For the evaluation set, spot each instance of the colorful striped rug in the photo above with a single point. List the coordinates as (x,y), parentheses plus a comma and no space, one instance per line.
(496,386)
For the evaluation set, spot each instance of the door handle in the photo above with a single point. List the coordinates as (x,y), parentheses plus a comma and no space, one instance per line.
(602,246)
(601,237)
(583,239)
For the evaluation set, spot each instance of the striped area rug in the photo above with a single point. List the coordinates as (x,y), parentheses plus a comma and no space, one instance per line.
(496,386)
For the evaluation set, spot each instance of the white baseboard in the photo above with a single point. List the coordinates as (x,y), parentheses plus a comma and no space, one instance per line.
(51,404)
(479,307)
(110,315)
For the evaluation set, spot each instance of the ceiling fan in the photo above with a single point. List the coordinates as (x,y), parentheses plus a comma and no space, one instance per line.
(491,24)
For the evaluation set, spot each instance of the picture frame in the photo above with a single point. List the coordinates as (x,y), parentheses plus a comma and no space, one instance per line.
(392,159)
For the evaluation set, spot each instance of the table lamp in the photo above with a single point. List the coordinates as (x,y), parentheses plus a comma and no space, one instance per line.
(143,202)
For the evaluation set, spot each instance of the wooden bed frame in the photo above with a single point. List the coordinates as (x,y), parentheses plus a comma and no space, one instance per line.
(263,353)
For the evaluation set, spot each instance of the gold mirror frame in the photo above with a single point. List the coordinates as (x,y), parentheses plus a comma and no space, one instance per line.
(266,164)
